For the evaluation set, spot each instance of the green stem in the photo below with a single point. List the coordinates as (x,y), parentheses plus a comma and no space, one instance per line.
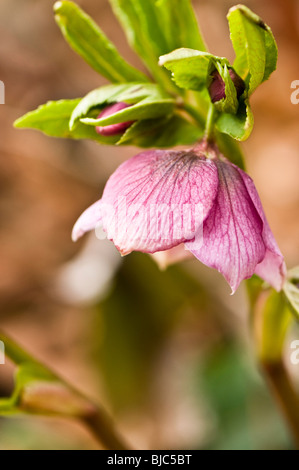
(271,321)
(230,148)
(283,391)
(210,123)
(101,426)
(28,399)
(14,352)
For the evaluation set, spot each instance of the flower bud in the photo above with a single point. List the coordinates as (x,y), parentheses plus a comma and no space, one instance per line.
(217,86)
(113,129)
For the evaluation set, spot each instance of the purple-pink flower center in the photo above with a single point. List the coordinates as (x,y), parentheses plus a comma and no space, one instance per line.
(217,86)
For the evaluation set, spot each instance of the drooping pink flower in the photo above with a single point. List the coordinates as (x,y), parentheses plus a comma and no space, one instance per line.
(159,200)
(113,129)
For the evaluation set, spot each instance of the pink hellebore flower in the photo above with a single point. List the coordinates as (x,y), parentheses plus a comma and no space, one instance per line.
(194,199)
(113,129)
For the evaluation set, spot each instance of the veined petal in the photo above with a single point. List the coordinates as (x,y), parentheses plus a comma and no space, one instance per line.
(158,199)
(272,269)
(233,232)
(87,221)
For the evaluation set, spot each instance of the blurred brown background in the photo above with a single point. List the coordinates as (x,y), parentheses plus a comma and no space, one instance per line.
(52,291)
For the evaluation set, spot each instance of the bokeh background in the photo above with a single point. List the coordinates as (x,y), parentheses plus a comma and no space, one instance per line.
(169,353)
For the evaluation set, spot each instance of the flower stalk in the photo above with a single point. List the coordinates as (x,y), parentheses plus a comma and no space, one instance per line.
(210,123)
(46,394)
(283,391)
(271,322)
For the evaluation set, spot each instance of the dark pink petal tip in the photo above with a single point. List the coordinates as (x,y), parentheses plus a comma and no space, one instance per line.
(272,268)
(232,233)
(237,240)
(113,129)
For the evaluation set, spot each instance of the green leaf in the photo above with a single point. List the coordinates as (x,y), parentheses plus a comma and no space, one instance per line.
(292,293)
(131,93)
(87,39)
(238,126)
(254,287)
(140,21)
(254,45)
(28,370)
(179,24)
(190,68)
(53,119)
(271,53)
(164,132)
(39,391)
(291,290)
(275,321)
(145,109)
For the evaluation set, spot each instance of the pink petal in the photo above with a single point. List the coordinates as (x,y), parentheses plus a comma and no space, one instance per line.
(174,255)
(232,233)
(157,200)
(113,129)
(272,269)
(87,221)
